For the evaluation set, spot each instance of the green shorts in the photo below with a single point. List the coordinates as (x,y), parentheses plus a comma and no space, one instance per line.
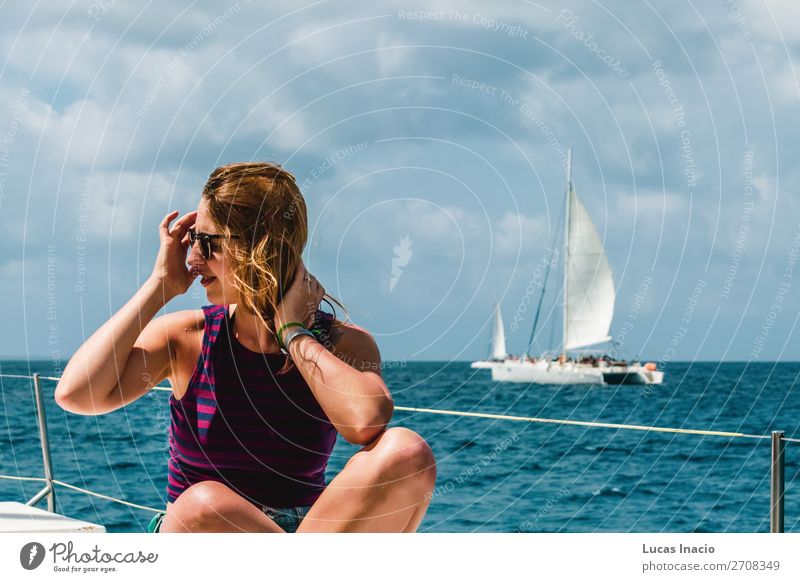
(288,518)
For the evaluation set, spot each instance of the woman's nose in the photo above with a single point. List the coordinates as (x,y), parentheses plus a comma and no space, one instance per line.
(195,256)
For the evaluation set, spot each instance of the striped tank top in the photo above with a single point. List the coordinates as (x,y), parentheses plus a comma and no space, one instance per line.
(263,435)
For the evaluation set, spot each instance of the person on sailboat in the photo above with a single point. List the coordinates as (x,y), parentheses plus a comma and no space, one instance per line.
(262,380)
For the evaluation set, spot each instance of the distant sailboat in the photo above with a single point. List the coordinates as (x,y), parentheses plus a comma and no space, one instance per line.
(497,349)
(498,336)
(589,298)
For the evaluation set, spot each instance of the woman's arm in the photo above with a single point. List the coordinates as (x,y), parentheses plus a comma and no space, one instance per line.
(120,362)
(356,401)
(108,357)
(348,386)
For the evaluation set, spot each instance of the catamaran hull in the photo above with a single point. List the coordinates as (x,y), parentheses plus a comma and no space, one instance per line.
(637,376)
(558,374)
(546,373)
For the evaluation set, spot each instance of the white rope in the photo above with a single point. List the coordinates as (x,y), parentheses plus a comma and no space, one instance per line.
(555,420)
(585,423)
(578,422)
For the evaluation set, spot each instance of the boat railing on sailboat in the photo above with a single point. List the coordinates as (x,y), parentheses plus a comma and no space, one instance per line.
(28,518)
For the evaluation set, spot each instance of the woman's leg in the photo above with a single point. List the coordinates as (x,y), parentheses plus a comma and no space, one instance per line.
(384,487)
(210,506)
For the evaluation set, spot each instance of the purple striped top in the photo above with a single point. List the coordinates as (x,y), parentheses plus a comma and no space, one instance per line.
(263,435)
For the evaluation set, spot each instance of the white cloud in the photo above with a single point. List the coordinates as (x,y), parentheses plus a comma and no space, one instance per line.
(517,237)
(123,203)
(776,20)
(392,60)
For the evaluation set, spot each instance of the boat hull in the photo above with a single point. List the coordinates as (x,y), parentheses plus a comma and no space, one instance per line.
(632,375)
(546,373)
(484,365)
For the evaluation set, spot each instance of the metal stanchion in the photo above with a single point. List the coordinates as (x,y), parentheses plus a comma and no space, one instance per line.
(777,483)
(48,466)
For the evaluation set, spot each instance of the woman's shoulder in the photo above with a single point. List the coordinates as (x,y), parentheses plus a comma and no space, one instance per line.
(184,325)
(197,318)
(352,343)
(185,330)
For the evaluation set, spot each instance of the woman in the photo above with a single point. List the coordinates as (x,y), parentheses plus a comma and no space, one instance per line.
(261,379)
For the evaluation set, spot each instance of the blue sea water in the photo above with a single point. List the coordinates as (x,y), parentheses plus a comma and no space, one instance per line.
(493,475)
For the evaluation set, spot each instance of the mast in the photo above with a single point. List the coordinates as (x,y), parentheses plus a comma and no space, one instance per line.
(541,296)
(566,250)
(553,250)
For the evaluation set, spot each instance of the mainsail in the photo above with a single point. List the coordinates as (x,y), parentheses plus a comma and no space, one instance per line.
(589,300)
(498,336)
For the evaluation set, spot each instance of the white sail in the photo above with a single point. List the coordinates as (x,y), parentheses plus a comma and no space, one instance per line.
(589,284)
(498,336)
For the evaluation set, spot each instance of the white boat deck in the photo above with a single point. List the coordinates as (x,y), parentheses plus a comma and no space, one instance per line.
(17,517)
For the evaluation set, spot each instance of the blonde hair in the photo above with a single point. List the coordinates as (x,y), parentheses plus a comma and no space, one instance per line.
(260,202)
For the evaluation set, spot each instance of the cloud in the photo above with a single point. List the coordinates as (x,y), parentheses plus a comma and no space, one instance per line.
(519,238)
(145,102)
(777,21)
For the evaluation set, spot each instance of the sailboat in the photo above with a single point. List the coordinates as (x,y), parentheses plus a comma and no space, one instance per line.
(589,298)
(497,350)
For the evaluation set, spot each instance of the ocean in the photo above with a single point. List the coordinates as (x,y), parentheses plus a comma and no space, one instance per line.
(493,475)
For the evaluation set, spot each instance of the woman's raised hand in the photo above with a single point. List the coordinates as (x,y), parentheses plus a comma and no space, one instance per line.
(302,299)
(170,269)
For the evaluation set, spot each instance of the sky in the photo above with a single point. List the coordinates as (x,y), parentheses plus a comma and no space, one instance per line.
(429,140)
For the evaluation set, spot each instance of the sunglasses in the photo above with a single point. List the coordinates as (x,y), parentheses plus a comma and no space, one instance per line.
(205,241)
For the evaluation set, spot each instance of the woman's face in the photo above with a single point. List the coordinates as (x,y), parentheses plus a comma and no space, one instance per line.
(216,269)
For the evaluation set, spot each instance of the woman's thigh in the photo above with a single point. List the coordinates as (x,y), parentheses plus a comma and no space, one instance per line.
(210,506)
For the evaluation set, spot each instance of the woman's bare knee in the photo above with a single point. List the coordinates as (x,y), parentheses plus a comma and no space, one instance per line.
(212,506)
(401,453)
(195,508)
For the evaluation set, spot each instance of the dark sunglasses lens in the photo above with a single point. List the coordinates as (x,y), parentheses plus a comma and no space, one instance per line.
(205,244)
